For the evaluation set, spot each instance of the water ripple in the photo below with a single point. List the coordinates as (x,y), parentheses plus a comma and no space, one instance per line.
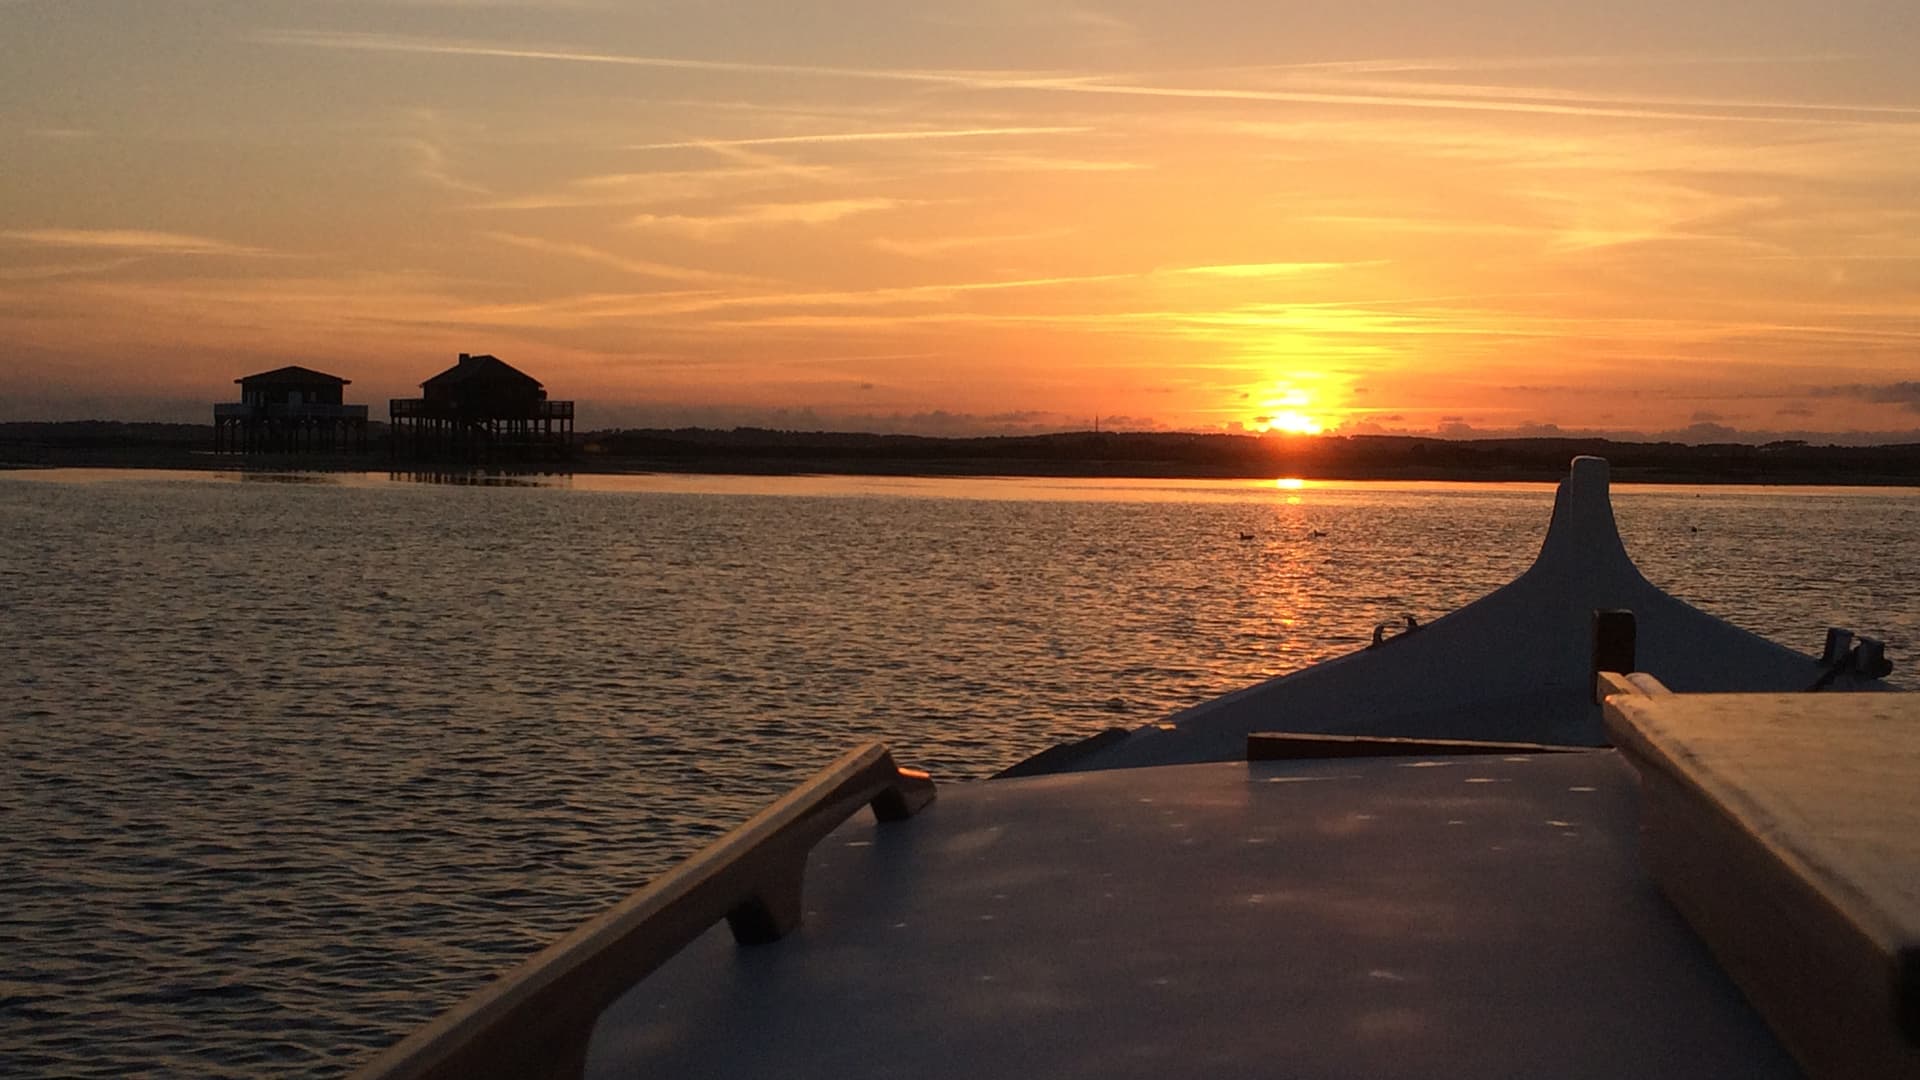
(291,768)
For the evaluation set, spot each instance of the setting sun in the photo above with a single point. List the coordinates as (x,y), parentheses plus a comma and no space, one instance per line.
(1285,410)
(1293,423)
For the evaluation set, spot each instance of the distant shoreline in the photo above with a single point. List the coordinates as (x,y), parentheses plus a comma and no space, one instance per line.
(14,457)
(1086,454)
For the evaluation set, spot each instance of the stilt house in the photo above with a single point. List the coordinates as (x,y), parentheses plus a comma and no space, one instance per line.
(289,409)
(482,407)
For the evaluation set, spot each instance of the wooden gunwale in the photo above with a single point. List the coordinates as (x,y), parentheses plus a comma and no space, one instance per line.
(1744,835)
(536,1020)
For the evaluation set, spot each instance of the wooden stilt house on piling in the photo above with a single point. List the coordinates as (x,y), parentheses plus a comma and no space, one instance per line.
(482,408)
(290,410)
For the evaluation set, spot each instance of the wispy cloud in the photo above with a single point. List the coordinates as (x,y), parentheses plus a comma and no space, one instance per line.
(990,161)
(1086,25)
(586,253)
(401,43)
(1563,62)
(532,5)
(768,164)
(1904,394)
(431,165)
(526,5)
(930,247)
(1473,99)
(862,137)
(916,304)
(822,212)
(134,240)
(580,310)
(1434,226)
(650,188)
(1490,101)
(1563,96)
(63,270)
(366,311)
(1267,269)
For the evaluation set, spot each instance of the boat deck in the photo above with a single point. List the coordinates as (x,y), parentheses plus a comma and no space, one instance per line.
(1159,908)
(1381,917)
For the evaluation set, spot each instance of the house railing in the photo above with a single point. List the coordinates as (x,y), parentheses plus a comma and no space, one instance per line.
(280,411)
(411,408)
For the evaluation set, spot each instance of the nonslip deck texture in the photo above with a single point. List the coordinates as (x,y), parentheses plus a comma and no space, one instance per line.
(1466,916)
(1787,829)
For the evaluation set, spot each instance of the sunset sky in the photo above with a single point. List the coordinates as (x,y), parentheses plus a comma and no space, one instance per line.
(978,216)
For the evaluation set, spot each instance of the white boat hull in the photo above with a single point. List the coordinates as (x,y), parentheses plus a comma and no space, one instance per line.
(1515,665)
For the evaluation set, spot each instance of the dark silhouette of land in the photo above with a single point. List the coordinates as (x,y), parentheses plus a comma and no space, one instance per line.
(1115,454)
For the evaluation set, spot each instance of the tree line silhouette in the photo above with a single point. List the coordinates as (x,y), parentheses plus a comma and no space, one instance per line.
(1082,453)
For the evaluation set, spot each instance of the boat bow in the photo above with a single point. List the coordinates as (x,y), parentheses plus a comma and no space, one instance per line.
(1515,665)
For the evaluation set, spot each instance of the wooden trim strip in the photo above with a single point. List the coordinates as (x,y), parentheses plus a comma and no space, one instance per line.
(1637,684)
(1299,746)
(535,1020)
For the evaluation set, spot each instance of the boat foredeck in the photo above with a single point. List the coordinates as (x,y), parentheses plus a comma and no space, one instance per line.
(1461,916)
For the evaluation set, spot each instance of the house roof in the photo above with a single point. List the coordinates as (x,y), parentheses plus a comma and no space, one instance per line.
(293,373)
(482,368)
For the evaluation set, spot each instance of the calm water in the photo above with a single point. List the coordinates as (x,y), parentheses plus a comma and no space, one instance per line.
(290,767)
